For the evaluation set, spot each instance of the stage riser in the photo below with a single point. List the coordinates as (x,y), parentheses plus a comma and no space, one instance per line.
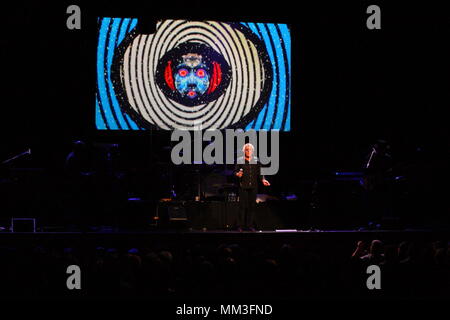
(216,215)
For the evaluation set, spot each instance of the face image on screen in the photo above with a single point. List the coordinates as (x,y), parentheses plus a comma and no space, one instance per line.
(193,75)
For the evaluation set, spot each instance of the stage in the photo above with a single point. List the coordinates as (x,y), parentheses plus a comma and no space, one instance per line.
(138,139)
(181,238)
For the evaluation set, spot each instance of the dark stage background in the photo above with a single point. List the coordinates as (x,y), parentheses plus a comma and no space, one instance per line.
(350,87)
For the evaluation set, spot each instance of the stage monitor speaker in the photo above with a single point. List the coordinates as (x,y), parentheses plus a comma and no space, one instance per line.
(172,215)
(138,214)
(23,225)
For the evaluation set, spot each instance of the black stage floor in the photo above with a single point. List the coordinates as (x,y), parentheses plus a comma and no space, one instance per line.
(217,236)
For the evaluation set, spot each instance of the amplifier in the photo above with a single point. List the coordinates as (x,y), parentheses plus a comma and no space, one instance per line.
(171,214)
(177,212)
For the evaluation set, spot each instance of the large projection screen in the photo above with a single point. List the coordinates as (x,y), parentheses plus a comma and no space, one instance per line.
(193,75)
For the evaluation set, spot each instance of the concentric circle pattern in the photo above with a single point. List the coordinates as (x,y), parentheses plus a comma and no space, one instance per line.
(148,100)
(190,75)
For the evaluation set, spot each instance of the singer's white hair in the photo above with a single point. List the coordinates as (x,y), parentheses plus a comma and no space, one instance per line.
(248,145)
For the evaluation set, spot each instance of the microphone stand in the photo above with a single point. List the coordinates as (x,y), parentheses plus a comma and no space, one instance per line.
(17,156)
(370,158)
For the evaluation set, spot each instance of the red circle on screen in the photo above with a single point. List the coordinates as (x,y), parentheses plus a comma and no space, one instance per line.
(183,72)
(201,73)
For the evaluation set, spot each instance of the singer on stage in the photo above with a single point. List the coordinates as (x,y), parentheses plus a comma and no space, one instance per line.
(248,171)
